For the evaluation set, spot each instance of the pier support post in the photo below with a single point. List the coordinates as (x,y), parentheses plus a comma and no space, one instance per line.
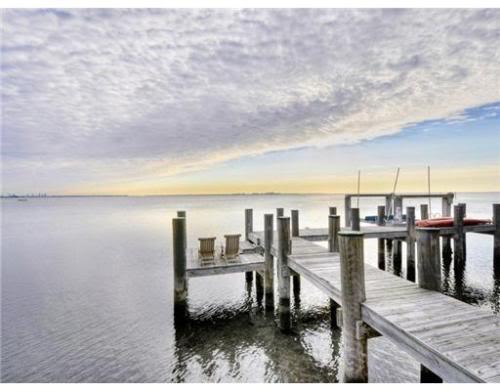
(496,236)
(280,212)
(429,275)
(333,247)
(284,273)
(459,236)
(248,222)
(295,222)
(182,213)
(355,226)
(333,233)
(388,202)
(180,260)
(269,261)
(295,233)
(446,204)
(334,307)
(352,277)
(398,205)
(410,243)
(332,211)
(424,212)
(259,287)
(429,262)
(248,230)
(347,207)
(380,241)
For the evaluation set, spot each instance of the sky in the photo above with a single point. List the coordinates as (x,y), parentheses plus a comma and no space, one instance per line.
(141,101)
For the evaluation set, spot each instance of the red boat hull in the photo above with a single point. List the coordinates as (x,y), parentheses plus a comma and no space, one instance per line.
(448,222)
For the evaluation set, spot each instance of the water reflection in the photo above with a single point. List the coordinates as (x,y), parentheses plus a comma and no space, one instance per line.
(213,349)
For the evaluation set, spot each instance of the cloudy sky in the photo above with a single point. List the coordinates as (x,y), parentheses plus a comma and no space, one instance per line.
(211,101)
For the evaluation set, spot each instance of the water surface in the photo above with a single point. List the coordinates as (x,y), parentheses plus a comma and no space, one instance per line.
(87,295)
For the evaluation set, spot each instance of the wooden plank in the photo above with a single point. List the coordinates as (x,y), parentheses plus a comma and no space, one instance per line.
(227,269)
(431,358)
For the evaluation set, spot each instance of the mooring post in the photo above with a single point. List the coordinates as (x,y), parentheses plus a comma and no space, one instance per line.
(248,230)
(333,247)
(269,261)
(410,243)
(347,207)
(446,203)
(332,210)
(380,241)
(259,287)
(280,212)
(496,236)
(429,277)
(353,295)
(355,219)
(424,211)
(388,202)
(334,307)
(459,235)
(398,206)
(333,233)
(295,222)
(248,222)
(284,272)
(295,233)
(182,213)
(180,260)
(429,261)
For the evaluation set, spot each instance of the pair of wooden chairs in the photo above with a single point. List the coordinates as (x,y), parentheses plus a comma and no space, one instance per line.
(206,252)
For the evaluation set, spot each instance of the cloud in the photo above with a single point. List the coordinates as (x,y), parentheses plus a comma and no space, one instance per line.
(139,93)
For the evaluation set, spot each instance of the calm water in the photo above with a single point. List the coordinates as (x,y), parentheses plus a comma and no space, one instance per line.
(87,295)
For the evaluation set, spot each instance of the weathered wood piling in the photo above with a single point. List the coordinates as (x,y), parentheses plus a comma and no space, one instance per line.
(180,261)
(429,262)
(248,230)
(347,210)
(295,233)
(410,243)
(496,236)
(355,223)
(353,295)
(446,205)
(269,261)
(333,233)
(381,242)
(284,273)
(459,240)
(424,211)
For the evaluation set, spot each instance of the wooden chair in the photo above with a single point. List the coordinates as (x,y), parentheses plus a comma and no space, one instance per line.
(206,252)
(232,250)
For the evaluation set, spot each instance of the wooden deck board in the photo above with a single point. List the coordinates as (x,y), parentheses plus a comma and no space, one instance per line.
(245,262)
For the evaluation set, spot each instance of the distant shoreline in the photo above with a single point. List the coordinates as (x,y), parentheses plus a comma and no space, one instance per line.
(198,195)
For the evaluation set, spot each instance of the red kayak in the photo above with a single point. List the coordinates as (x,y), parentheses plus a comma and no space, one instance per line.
(448,222)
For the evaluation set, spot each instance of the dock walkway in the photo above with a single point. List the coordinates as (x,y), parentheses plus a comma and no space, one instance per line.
(458,342)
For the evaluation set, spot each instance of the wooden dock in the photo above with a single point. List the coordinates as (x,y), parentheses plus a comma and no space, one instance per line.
(453,341)
(458,342)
